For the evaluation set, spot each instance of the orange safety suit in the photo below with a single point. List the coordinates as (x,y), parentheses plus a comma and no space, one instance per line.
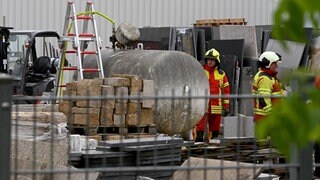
(317,82)
(219,85)
(265,83)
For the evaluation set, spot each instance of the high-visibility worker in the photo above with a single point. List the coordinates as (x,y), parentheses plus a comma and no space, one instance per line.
(219,85)
(265,83)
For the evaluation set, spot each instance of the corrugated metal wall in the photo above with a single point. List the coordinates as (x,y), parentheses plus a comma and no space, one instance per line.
(49,14)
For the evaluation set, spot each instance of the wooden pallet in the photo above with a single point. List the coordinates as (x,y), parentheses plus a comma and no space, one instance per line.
(112,136)
(219,22)
(151,129)
(140,135)
(82,130)
(114,132)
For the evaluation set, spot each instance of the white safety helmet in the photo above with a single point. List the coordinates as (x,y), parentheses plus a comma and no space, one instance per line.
(269,57)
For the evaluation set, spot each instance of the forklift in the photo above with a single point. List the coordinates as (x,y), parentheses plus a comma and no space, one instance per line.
(31,58)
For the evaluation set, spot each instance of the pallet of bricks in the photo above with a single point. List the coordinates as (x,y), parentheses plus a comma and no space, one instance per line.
(122,112)
(219,22)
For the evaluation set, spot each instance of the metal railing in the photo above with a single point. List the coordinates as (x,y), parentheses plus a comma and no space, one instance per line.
(42,149)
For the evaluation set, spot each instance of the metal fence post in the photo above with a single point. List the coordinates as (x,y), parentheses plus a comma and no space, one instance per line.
(5,125)
(303,156)
(305,161)
(293,171)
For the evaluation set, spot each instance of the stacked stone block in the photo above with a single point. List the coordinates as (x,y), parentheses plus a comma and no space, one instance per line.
(115,101)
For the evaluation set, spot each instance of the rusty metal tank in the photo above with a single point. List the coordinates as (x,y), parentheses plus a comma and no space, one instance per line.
(174,74)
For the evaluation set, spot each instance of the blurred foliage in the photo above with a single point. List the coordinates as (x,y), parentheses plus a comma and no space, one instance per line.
(292,15)
(295,121)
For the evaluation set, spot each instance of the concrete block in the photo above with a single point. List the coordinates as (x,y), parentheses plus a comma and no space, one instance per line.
(89,87)
(107,91)
(66,106)
(39,117)
(91,119)
(117,81)
(71,86)
(65,174)
(122,92)
(135,81)
(146,116)
(133,107)
(148,90)
(136,84)
(121,108)
(83,87)
(119,120)
(75,143)
(108,104)
(89,103)
(88,144)
(26,148)
(135,97)
(106,117)
(22,164)
(77,110)
(70,118)
(132,119)
(234,126)
(69,92)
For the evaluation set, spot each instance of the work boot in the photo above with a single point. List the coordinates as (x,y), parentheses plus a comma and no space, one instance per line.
(199,136)
(215,134)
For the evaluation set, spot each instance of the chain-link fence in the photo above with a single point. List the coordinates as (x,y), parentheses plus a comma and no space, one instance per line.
(41,142)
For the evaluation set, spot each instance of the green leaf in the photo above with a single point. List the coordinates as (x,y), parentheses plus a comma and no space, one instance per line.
(290,17)
(294,121)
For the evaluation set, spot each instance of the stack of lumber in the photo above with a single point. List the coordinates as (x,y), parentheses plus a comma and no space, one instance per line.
(236,149)
(247,150)
(137,152)
(215,169)
(121,112)
(219,22)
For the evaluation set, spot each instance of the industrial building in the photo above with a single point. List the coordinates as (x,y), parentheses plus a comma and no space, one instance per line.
(155,90)
(47,14)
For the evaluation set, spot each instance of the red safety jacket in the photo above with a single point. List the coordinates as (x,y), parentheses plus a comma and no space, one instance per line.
(219,85)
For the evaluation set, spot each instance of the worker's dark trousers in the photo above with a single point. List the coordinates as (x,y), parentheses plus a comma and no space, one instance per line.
(317,158)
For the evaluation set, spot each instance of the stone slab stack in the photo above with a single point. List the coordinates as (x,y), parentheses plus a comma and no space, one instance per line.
(114,107)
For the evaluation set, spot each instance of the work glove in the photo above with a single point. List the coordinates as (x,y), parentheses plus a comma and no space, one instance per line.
(225,112)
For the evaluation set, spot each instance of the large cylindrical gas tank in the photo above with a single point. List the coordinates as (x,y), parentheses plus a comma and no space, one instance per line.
(174,74)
